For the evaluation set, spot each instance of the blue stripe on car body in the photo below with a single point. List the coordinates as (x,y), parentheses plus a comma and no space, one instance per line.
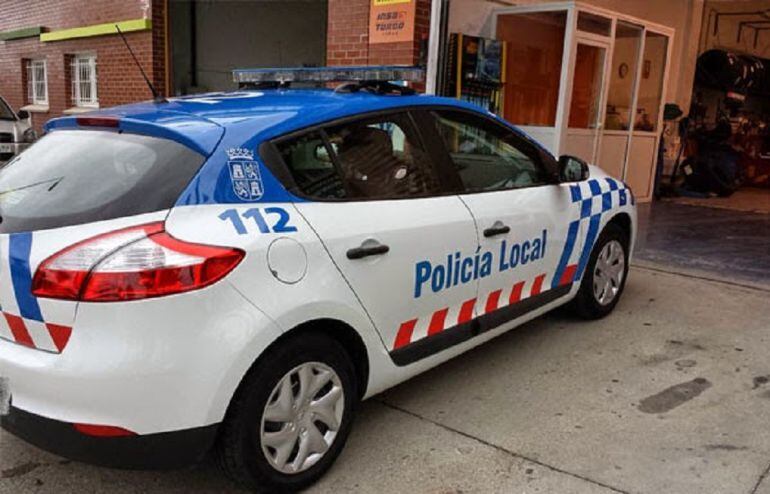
(20,246)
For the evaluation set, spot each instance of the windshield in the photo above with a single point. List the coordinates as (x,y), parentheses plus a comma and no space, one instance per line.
(5,111)
(74,177)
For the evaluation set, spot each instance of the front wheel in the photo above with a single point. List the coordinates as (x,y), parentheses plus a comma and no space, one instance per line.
(605,275)
(291,416)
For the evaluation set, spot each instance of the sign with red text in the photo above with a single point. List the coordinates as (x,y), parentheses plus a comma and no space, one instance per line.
(391,21)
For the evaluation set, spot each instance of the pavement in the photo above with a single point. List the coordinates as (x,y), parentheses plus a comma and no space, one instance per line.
(669,394)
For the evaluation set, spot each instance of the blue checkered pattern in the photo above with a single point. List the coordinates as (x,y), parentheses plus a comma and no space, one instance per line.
(598,199)
(595,197)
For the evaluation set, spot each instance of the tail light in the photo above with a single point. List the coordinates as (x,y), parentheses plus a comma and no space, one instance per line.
(133,263)
(98,121)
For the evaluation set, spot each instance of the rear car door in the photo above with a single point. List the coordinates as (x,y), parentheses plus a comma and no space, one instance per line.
(522,213)
(380,208)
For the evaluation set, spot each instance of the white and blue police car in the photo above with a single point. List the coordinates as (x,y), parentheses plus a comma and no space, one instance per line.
(234,272)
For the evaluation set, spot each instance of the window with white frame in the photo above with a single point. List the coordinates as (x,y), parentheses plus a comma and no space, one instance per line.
(84,80)
(37,82)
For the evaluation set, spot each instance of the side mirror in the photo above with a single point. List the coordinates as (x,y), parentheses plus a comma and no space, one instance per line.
(572,169)
(23,114)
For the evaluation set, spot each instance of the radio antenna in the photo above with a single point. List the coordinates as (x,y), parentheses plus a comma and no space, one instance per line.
(156,97)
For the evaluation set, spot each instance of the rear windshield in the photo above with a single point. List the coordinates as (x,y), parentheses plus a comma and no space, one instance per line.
(74,177)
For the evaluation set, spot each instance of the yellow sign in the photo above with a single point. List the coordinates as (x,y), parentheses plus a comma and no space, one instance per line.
(391,21)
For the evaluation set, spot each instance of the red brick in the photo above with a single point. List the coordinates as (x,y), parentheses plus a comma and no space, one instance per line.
(348,30)
(118,80)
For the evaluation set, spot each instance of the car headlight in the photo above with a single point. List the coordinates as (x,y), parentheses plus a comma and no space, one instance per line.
(29,136)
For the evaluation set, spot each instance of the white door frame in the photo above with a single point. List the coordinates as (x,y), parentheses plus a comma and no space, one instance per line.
(606,45)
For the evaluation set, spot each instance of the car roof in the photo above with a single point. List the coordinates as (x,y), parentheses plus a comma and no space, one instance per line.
(266,113)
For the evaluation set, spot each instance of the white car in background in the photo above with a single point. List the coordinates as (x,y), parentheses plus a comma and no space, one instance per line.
(16,132)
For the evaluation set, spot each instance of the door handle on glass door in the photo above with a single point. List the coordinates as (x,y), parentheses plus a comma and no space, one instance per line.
(368,248)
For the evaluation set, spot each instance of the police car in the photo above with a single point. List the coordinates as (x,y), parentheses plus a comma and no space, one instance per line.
(234,272)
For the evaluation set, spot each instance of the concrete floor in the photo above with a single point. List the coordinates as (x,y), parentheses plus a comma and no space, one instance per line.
(669,394)
(711,242)
(748,199)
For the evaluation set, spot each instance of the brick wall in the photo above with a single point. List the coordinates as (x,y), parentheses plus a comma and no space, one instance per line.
(118,80)
(347,40)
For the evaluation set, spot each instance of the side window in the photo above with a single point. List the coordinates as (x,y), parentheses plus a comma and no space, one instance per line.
(311,165)
(376,158)
(488,157)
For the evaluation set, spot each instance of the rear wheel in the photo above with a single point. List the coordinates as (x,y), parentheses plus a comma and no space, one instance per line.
(291,416)
(605,275)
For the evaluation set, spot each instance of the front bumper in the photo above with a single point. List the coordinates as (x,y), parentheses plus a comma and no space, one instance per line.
(163,451)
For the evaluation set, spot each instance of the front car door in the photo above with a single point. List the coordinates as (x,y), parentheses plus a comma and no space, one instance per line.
(524,217)
(375,200)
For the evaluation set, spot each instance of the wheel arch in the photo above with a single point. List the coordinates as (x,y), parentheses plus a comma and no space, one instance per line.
(345,335)
(335,329)
(623,221)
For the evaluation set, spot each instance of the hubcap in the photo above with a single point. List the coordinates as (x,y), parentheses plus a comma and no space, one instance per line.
(608,272)
(302,417)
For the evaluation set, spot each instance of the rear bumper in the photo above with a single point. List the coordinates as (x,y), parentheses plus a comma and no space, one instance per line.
(165,450)
(152,366)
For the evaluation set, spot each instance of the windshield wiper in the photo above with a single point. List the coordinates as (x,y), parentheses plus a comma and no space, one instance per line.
(36,184)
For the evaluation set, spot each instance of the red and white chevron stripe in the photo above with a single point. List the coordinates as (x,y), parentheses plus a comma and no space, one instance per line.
(34,334)
(416,329)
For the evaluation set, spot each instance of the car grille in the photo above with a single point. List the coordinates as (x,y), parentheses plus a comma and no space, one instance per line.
(6,137)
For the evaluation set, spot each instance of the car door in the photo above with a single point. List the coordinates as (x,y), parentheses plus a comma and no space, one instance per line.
(523,215)
(382,212)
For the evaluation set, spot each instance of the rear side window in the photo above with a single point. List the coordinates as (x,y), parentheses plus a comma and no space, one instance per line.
(376,158)
(74,177)
(311,165)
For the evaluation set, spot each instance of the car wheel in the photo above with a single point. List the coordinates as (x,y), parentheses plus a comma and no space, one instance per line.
(291,415)
(605,276)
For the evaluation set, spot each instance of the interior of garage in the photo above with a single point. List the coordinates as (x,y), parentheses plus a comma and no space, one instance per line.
(726,129)
(209,38)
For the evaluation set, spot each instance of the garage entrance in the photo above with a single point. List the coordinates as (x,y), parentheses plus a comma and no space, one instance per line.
(210,38)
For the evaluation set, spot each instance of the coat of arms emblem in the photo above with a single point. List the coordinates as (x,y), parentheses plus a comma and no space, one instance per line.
(244,174)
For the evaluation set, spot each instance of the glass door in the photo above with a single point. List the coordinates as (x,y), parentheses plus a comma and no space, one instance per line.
(642,154)
(585,119)
(619,111)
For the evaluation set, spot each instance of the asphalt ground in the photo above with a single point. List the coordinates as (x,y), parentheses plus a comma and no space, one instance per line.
(670,393)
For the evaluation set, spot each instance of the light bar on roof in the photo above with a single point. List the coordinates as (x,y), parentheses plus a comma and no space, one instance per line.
(329,74)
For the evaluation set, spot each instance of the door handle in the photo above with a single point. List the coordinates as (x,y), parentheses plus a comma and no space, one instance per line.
(367,248)
(497,229)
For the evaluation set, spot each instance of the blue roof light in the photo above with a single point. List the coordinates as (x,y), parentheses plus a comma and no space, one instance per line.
(382,73)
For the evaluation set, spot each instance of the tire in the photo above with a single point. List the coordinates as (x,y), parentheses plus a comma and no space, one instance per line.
(587,303)
(242,448)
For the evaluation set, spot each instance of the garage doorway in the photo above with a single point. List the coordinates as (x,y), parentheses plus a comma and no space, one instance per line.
(208,39)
